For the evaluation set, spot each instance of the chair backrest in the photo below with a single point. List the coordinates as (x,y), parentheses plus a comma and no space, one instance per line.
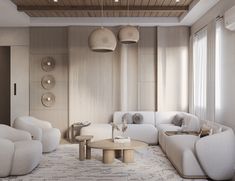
(13,134)
(148,116)
(34,121)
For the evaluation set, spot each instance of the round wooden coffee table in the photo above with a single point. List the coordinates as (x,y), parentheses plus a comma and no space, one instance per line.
(112,150)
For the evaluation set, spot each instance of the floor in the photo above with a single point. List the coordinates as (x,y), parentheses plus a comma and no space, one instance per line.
(150,164)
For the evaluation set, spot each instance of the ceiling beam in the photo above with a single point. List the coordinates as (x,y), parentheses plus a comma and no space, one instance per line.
(106,8)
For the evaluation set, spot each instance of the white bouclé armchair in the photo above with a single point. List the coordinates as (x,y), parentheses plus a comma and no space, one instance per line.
(19,154)
(40,130)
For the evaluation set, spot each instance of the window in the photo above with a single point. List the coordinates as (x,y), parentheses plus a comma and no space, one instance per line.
(200,73)
(219,25)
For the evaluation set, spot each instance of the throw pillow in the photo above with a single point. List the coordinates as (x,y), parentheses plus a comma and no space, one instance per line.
(216,128)
(190,123)
(137,118)
(178,119)
(205,131)
(127,118)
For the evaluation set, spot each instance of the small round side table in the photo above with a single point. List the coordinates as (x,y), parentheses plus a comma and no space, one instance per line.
(83,141)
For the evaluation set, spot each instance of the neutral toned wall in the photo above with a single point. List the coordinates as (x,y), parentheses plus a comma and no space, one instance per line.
(226,112)
(173,68)
(147,69)
(18,40)
(94,80)
(98,83)
(49,42)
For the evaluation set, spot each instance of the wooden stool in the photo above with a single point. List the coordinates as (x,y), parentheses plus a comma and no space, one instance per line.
(83,146)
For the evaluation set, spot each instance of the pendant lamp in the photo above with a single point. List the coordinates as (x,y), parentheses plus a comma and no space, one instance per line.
(128,34)
(102,39)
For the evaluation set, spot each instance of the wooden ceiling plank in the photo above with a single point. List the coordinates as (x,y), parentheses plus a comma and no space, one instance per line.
(95,8)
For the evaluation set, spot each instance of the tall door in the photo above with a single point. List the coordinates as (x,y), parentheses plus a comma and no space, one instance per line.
(5,91)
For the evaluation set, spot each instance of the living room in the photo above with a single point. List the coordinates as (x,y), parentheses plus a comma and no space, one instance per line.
(117,90)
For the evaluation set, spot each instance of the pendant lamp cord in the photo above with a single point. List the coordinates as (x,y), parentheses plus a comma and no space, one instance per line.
(128,12)
(102,13)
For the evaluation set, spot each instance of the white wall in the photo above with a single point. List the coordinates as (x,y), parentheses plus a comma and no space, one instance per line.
(18,40)
(226,112)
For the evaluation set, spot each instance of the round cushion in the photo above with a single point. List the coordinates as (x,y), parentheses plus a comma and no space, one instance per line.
(137,118)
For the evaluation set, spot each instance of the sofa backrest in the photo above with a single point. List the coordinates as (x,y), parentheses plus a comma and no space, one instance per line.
(148,116)
(165,117)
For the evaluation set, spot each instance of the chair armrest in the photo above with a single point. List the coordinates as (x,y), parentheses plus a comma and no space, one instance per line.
(6,157)
(26,125)
(216,154)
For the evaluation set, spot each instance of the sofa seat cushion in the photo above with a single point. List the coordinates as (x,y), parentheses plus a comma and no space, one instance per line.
(180,151)
(162,128)
(168,127)
(99,131)
(142,132)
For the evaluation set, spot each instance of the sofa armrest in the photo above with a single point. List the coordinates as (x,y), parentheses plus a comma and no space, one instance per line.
(26,125)
(6,156)
(216,154)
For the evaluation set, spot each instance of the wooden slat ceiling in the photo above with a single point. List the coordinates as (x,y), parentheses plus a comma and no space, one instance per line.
(92,8)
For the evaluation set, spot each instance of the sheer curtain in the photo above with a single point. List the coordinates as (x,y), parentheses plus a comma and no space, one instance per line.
(203,90)
(200,73)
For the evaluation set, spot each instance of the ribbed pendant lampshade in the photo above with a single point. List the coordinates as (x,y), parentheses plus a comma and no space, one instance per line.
(102,40)
(128,35)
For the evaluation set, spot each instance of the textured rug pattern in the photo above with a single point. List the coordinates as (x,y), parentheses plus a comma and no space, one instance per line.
(150,164)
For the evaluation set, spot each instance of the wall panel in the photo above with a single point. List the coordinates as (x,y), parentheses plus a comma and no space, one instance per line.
(51,42)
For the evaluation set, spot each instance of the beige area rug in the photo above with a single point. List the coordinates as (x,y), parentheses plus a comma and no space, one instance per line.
(150,164)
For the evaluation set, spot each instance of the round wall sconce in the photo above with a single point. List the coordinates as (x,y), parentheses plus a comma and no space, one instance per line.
(48,64)
(48,99)
(48,82)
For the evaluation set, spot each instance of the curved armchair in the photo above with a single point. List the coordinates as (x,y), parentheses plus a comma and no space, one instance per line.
(216,154)
(39,130)
(19,154)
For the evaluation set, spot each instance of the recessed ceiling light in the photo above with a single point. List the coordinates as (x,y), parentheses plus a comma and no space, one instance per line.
(55,1)
(177,1)
(116,1)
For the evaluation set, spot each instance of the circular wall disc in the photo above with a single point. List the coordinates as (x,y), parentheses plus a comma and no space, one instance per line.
(48,82)
(48,99)
(48,64)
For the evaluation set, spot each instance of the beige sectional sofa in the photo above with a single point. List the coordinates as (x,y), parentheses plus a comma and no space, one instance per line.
(193,157)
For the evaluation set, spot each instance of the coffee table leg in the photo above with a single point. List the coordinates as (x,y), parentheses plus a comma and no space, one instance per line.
(82,150)
(88,150)
(118,153)
(108,156)
(128,156)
